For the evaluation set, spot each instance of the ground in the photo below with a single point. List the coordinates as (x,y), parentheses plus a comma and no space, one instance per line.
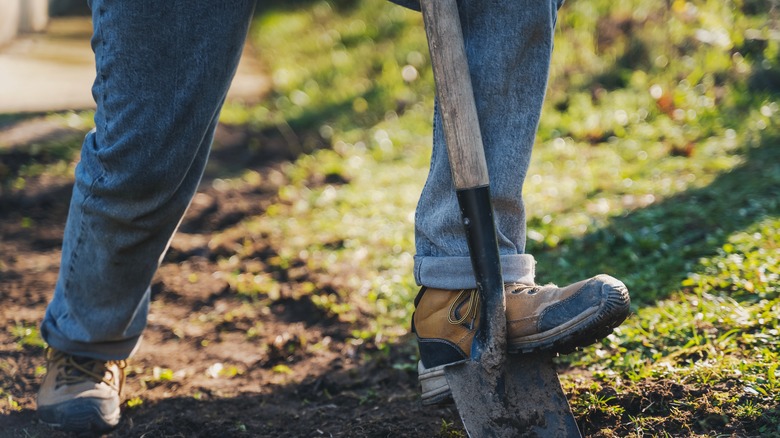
(232,377)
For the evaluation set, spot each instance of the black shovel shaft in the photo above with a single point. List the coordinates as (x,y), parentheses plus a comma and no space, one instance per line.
(477,214)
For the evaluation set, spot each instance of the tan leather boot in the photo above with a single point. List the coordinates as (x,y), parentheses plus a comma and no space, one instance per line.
(538,318)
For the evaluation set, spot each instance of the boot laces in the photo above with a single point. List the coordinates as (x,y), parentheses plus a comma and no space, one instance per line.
(471,311)
(519,288)
(72,370)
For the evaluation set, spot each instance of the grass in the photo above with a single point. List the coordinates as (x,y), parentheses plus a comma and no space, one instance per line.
(657,161)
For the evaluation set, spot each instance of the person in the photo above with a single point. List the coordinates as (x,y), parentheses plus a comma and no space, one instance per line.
(162,73)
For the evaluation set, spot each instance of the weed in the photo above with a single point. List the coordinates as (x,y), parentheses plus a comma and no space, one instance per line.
(282,369)
(134,402)
(28,335)
(448,430)
(8,403)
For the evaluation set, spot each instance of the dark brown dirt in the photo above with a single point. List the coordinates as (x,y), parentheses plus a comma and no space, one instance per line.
(288,369)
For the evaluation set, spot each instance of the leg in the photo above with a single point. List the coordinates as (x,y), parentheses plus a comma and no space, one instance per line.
(508,45)
(163,70)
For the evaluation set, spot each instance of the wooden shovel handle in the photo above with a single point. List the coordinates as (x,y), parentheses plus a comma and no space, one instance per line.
(469,174)
(456,97)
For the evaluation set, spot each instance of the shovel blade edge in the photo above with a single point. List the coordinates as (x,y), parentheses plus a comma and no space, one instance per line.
(524,398)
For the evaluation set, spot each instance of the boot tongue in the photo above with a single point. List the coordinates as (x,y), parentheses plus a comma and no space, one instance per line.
(87,368)
(93,365)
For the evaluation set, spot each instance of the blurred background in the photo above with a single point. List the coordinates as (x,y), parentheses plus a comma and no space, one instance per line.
(657,161)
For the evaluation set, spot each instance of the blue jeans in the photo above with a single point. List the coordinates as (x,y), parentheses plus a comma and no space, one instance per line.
(163,70)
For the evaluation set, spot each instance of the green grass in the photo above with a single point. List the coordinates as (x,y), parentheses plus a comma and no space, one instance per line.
(714,342)
(27,335)
(657,162)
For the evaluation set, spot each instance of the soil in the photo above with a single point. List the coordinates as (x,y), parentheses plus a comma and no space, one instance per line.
(211,364)
(214,363)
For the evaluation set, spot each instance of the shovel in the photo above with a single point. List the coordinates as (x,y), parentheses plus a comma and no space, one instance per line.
(497,395)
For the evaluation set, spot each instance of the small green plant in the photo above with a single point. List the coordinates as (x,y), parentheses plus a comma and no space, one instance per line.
(449,430)
(8,403)
(159,376)
(134,402)
(28,335)
(282,369)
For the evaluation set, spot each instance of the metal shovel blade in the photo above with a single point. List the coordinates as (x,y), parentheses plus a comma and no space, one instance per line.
(497,394)
(521,399)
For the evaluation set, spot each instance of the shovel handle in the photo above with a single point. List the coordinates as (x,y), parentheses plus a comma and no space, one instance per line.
(496,395)
(456,97)
(469,173)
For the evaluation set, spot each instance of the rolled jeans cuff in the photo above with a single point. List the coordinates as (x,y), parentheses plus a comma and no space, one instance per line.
(112,350)
(457,272)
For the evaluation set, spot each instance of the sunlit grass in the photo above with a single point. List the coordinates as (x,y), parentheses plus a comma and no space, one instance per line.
(646,164)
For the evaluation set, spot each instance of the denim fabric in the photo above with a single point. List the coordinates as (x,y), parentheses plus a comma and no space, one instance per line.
(411,4)
(163,70)
(508,45)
